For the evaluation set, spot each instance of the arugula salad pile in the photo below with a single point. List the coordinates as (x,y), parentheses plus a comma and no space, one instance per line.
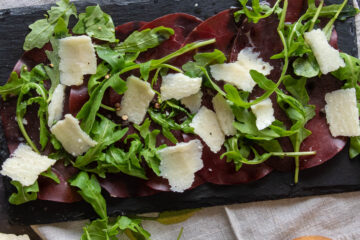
(140,149)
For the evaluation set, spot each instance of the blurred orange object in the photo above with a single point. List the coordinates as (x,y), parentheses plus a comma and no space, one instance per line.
(312,238)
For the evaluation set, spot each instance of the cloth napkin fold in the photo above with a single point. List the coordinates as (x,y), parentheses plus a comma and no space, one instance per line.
(336,216)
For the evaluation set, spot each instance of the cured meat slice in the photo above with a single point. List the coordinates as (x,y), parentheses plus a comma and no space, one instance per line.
(77,98)
(321,140)
(182,23)
(62,192)
(294,10)
(222,27)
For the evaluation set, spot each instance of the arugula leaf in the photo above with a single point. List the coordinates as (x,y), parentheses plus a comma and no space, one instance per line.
(350,73)
(306,66)
(145,70)
(12,87)
(53,71)
(90,191)
(113,58)
(142,41)
(209,58)
(60,29)
(239,156)
(24,194)
(232,94)
(297,88)
(258,11)
(50,174)
(42,30)
(167,124)
(21,86)
(199,67)
(96,24)
(108,157)
(299,114)
(89,110)
(246,125)
(105,132)
(331,10)
(101,72)
(202,60)
(148,151)
(98,230)
(354,150)
(125,223)
(42,113)
(117,160)
(102,229)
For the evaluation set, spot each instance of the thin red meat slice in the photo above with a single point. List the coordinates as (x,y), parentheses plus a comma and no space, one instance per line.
(222,27)
(182,24)
(77,98)
(321,140)
(115,185)
(294,10)
(62,192)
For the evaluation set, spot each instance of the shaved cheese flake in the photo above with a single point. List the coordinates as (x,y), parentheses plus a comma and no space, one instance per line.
(224,115)
(238,73)
(327,57)
(4,236)
(56,106)
(206,125)
(74,140)
(178,86)
(193,102)
(179,164)
(136,100)
(264,113)
(25,165)
(77,57)
(342,113)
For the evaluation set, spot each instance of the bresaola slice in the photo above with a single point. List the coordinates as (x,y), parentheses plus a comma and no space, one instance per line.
(182,24)
(321,140)
(221,26)
(62,192)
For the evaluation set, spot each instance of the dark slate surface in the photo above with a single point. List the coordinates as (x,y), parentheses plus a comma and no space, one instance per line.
(337,175)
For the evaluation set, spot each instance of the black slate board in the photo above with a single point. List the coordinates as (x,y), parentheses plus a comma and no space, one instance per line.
(337,175)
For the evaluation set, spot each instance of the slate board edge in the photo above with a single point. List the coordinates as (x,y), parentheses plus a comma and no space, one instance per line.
(15,212)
